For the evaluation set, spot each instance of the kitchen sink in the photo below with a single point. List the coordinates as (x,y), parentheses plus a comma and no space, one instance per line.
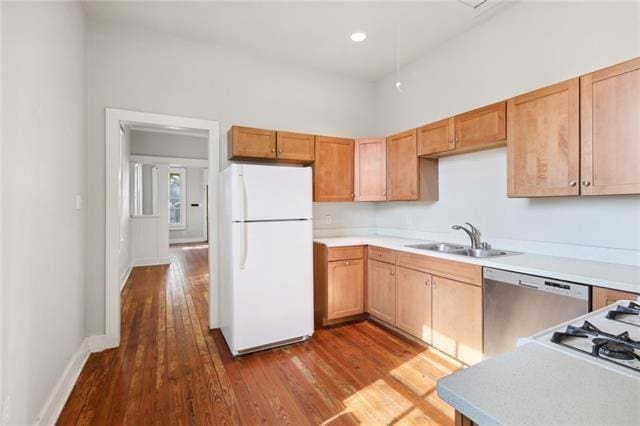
(441,247)
(461,250)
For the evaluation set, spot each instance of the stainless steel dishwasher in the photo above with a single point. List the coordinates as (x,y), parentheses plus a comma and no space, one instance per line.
(519,305)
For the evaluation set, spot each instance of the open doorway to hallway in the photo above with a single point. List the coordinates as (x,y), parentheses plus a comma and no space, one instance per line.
(159,192)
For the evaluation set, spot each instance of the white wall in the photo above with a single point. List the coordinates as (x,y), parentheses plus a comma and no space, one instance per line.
(43,168)
(168,145)
(146,71)
(528,46)
(195,215)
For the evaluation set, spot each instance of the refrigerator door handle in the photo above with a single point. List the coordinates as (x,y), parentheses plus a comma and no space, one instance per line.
(245,240)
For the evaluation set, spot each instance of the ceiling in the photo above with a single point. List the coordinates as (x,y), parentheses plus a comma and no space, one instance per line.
(309,34)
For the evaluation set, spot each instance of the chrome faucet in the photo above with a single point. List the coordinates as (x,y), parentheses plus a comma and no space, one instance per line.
(473,233)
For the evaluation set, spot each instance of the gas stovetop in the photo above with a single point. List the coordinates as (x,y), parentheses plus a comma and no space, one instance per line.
(609,337)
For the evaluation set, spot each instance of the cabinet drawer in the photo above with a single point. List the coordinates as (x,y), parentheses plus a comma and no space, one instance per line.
(465,272)
(345,253)
(382,254)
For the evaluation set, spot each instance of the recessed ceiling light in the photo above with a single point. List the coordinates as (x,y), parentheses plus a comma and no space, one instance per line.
(358,37)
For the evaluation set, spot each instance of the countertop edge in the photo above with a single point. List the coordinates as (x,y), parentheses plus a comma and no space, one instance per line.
(498,263)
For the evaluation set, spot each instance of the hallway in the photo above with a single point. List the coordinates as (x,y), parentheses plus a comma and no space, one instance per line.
(171,369)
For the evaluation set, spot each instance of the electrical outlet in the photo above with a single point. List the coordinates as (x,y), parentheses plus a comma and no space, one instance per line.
(408,220)
(78,202)
(6,406)
(327,219)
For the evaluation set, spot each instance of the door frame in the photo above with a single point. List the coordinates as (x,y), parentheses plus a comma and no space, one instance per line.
(113,118)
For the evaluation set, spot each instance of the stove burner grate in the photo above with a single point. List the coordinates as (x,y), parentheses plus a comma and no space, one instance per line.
(632,309)
(618,349)
(608,348)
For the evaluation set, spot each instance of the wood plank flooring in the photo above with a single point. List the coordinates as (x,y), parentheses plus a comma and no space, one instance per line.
(171,369)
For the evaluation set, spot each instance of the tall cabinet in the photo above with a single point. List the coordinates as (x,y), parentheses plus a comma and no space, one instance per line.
(333,169)
(610,130)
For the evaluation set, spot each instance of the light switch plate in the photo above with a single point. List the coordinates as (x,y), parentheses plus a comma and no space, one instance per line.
(78,202)
(327,219)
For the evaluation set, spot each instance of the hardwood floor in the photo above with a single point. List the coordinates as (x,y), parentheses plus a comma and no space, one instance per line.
(171,369)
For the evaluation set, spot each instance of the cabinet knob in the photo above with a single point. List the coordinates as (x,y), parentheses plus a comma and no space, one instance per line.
(273,150)
(427,283)
(457,141)
(347,263)
(586,183)
(379,254)
(572,183)
(413,192)
(280,151)
(393,273)
(353,196)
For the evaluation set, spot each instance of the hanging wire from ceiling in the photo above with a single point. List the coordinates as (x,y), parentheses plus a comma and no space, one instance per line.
(398,82)
(473,4)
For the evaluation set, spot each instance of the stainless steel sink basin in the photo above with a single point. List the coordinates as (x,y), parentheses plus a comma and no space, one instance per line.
(461,250)
(441,247)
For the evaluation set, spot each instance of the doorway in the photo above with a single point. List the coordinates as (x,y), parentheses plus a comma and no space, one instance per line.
(176,216)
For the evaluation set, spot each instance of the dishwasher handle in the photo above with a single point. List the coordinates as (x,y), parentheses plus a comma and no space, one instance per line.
(528,285)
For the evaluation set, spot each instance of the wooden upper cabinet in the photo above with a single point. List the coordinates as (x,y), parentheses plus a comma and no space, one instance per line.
(484,127)
(409,177)
(457,319)
(333,169)
(381,290)
(295,147)
(370,182)
(436,137)
(543,145)
(345,288)
(413,303)
(247,142)
(610,133)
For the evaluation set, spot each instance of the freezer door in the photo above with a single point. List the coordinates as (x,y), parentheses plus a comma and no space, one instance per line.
(271,192)
(273,282)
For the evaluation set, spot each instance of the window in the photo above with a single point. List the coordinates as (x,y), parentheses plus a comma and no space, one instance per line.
(177,198)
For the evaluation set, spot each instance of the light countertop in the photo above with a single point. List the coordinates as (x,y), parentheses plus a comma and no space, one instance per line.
(537,385)
(610,275)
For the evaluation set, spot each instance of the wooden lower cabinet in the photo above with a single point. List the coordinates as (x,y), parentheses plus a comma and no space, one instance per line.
(381,290)
(413,303)
(338,283)
(345,292)
(602,297)
(457,319)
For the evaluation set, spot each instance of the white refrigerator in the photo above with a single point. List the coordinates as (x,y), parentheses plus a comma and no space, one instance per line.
(266,291)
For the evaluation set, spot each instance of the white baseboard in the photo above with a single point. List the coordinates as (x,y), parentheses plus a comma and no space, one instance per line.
(101,342)
(61,391)
(151,261)
(187,240)
(125,277)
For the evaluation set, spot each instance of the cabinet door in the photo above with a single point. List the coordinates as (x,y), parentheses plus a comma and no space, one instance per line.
(370,169)
(333,169)
(610,137)
(413,303)
(247,142)
(457,319)
(402,166)
(295,147)
(483,127)
(543,142)
(436,137)
(605,296)
(381,290)
(345,288)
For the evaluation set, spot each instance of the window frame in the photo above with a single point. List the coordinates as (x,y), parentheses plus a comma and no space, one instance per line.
(183,198)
